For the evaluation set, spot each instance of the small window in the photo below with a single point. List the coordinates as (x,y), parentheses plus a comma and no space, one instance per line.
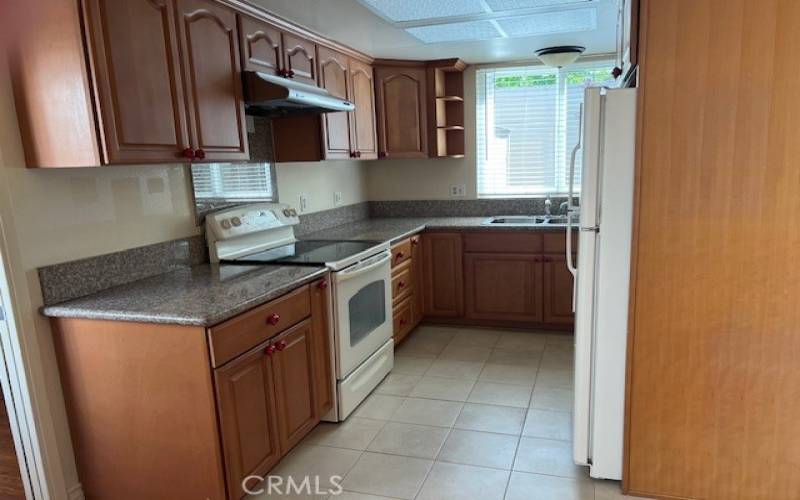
(232,182)
(527,125)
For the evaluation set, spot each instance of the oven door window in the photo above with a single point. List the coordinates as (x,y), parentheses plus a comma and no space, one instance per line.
(367,311)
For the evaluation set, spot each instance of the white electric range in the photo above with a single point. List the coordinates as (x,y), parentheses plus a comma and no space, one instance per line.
(361,314)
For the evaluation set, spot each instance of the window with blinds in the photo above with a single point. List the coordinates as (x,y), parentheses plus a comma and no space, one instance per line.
(234,182)
(527,125)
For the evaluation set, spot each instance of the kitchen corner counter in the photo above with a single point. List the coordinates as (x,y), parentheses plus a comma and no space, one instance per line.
(393,229)
(202,295)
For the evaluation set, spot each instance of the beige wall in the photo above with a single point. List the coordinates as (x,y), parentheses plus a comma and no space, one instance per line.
(429,179)
(318,181)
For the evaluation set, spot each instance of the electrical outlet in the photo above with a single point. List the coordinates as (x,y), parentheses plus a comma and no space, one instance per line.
(251,124)
(337,198)
(303,203)
(458,190)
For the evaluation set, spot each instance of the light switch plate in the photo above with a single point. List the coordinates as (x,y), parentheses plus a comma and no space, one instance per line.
(337,198)
(303,205)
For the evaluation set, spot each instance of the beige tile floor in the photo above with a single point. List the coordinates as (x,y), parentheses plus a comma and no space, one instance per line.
(465,414)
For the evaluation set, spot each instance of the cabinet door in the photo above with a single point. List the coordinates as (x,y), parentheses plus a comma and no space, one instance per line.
(261,46)
(443,286)
(558,286)
(402,122)
(213,82)
(293,368)
(300,59)
(364,138)
(323,365)
(247,416)
(334,77)
(134,48)
(503,287)
(416,270)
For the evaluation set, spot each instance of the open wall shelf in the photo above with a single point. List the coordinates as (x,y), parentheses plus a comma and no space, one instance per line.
(446,108)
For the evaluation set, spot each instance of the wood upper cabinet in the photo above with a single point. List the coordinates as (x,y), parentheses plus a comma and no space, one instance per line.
(402,118)
(300,59)
(443,285)
(363,135)
(504,287)
(323,361)
(294,372)
(210,48)
(134,47)
(334,77)
(558,289)
(248,417)
(261,45)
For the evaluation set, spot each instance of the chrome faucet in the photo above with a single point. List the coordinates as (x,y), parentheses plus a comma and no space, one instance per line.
(563,209)
(548,206)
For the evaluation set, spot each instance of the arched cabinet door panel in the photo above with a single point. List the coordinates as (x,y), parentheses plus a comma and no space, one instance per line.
(300,59)
(401,112)
(363,136)
(261,45)
(334,77)
(210,49)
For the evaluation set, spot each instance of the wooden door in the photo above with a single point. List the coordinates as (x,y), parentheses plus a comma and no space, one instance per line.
(363,138)
(334,77)
(504,287)
(558,286)
(293,368)
(402,121)
(261,45)
(323,355)
(443,285)
(213,83)
(713,399)
(300,59)
(134,47)
(247,416)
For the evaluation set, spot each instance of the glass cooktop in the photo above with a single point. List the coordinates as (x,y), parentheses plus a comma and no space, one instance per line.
(316,252)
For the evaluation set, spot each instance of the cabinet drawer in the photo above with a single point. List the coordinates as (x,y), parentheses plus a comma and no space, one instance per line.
(402,282)
(401,252)
(556,242)
(503,242)
(403,319)
(247,330)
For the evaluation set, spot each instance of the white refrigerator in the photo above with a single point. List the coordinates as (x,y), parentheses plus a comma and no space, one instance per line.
(602,277)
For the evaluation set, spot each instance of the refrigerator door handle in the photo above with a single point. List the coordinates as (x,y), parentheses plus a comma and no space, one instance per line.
(572,210)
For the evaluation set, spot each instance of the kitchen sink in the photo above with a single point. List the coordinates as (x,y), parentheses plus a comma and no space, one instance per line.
(526,220)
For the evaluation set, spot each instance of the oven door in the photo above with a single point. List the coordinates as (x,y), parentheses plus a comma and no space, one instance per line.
(363,305)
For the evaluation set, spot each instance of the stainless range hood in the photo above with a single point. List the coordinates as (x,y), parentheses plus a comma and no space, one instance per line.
(274,96)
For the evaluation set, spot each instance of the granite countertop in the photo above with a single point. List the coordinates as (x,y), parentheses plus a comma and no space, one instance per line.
(393,229)
(201,295)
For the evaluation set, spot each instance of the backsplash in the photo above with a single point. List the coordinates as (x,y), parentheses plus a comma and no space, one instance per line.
(462,208)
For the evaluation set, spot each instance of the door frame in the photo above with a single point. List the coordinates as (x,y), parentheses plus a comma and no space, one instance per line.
(16,389)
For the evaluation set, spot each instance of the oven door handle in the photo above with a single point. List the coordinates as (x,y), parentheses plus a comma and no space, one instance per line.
(363,268)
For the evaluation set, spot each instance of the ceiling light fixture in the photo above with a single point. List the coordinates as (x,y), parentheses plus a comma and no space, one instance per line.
(558,57)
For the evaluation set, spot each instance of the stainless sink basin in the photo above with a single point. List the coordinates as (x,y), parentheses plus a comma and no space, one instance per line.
(526,220)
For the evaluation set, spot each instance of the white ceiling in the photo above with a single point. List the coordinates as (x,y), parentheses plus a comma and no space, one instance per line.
(499,30)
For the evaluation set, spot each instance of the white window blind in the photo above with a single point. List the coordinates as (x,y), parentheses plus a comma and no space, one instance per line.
(229,181)
(527,125)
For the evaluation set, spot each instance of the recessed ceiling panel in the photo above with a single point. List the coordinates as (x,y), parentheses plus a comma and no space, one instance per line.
(455,32)
(414,10)
(503,5)
(569,21)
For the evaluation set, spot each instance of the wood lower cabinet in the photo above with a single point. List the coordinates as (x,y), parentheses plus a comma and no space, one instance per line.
(293,369)
(134,47)
(152,416)
(248,417)
(505,287)
(558,291)
(210,48)
(443,275)
(401,111)
(406,286)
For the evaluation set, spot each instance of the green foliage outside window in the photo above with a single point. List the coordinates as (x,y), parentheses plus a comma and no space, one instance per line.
(576,77)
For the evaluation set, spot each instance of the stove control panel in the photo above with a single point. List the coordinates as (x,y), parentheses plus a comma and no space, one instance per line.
(249,219)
